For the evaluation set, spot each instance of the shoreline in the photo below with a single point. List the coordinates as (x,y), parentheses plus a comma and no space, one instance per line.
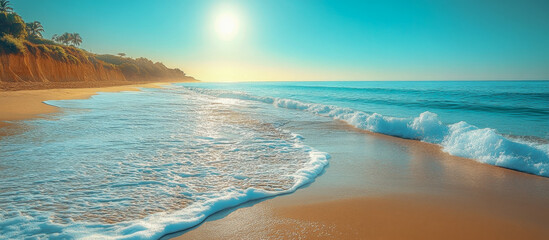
(21,105)
(346,199)
(370,190)
(22,86)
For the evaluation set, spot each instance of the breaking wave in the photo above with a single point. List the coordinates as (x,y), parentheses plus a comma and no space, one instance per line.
(461,139)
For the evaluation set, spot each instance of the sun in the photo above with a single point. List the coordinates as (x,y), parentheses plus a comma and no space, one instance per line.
(226,25)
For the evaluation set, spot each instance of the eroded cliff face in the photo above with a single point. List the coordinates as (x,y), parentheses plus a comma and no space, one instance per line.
(42,68)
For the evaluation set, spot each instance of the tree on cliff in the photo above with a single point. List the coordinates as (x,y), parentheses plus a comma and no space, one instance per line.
(12,30)
(12,24)
(68,39)
(63,39)
(75,39)
(5,6)
(35,29)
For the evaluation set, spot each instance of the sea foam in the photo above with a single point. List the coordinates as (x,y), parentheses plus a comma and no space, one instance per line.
(99,171)
(158,225)
(461,139)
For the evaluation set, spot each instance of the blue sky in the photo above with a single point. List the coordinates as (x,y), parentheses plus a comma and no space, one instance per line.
(314,39)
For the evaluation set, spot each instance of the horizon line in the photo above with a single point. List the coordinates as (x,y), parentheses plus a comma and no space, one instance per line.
(487,80)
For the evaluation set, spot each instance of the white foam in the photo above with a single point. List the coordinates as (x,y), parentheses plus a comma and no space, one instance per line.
(158,225)
(459,139)
(95,173)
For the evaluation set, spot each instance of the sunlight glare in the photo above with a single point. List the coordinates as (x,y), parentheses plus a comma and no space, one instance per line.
(226,25)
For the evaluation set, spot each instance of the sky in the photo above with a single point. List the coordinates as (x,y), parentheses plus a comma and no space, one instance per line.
(307,40)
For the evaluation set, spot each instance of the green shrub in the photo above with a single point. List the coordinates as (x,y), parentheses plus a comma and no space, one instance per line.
(72,59)
(10,44)
(108,58)
(33,49)
(36,40)
(58,53)
(12,24)
(93,60)
(81,54)
(45,49)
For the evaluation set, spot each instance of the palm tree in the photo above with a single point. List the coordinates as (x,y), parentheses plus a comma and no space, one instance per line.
(63,39)
(5,6)
(75,39)
(35,29)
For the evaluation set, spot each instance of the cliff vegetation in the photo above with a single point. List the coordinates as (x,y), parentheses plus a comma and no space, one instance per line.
(26,57)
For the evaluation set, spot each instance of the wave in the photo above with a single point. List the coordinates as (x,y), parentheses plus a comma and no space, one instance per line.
(172,178)
(461,139)
(159,225)
(485,101)
(440,104)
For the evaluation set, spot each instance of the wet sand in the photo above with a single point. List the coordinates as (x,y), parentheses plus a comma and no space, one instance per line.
(408,217)
(382,187)
(388,217)
(27,104)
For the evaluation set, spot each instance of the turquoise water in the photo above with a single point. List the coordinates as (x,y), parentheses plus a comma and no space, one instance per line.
(519,108)
(138,165)
(499,123)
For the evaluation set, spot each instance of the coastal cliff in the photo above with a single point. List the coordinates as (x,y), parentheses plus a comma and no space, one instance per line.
(43,68)
(46,63)
(28,61)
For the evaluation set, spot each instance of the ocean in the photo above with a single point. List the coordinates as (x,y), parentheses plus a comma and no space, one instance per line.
(142,164)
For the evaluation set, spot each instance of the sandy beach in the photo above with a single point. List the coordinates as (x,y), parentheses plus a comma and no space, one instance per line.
(376,187)
(214,120)
(366,193)
(389,217)
(27,104)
